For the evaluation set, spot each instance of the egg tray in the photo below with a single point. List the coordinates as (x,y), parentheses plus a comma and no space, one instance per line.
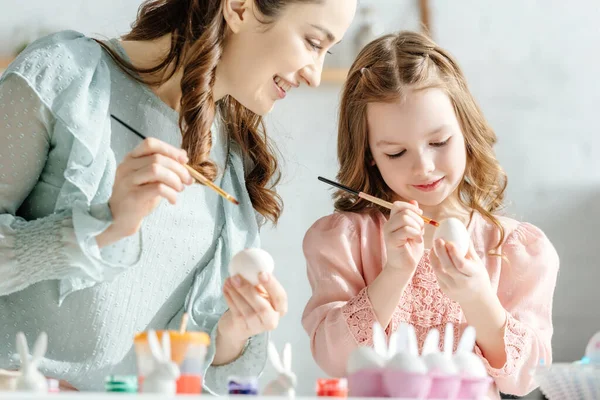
(569,381)
(401,384)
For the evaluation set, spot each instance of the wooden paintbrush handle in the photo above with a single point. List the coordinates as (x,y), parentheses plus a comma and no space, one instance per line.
(390,206)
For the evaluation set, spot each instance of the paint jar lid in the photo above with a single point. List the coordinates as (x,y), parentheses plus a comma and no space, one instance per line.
(332,387)
(242,385)
(121,383)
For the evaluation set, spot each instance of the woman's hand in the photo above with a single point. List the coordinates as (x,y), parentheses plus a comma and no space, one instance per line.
(250,311)
(152,171)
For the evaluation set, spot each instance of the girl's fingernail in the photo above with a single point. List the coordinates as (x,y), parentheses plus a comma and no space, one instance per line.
(237,281)
(263,277)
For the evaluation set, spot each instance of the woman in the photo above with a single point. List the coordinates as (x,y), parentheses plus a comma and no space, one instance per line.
(89,252)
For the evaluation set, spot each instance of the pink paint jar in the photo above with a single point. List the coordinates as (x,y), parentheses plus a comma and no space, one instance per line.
(188,351)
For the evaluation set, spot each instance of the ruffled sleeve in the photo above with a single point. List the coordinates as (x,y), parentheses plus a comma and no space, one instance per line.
(339,315)
(55,99)
(527,283)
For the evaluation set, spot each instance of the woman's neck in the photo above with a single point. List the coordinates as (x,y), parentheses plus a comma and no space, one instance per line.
(148,54)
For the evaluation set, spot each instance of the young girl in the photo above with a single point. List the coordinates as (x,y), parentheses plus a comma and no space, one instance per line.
(411,133)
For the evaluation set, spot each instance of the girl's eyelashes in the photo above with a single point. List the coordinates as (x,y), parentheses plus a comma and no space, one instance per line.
(392,156)
(440,144)
(434,144)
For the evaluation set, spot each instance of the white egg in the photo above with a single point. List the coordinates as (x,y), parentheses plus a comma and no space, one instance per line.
(250,262)
(440,363)
(453,230)
(407,363)
(363,358)
(470,364)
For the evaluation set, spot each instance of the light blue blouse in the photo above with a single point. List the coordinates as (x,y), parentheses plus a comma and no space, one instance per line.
(59,150)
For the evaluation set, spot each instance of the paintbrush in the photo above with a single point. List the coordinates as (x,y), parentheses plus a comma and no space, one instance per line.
(195,174)
(372,199)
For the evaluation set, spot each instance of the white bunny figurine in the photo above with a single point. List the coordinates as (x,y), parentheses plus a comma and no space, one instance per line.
(285,384)
(436,360)
(163,377)
(467,362)
(367,358)
(30,379)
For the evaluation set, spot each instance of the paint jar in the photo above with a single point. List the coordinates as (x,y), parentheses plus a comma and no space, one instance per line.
(242,385)
(334,387)
(53,385)
(121,384)
(188,351)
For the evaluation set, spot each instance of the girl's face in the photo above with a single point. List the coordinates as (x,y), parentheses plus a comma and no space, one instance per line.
(262,63)
(418,146)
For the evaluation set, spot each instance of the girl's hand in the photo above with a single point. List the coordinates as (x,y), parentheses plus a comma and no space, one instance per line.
(463,279)
(403,234)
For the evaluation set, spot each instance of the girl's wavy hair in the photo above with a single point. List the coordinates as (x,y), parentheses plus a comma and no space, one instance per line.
(197,29)
(386,70)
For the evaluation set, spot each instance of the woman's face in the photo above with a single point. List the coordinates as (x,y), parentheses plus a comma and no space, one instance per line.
(262,63)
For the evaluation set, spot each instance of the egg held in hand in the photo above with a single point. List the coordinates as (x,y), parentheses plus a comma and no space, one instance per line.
(249,263)
(452,230)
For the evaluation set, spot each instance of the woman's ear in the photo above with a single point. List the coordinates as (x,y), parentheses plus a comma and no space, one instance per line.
(235,13)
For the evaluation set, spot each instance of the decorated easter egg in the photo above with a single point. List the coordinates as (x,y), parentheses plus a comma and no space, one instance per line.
(592,350)
(250,262)
(452,230)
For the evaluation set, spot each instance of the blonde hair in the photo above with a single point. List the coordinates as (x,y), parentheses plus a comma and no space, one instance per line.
(386,70)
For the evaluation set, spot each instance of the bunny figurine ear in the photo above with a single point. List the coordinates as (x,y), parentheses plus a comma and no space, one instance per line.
(23,349)
(287,357)
(379,340)
(413,346)
(431,342)
(274,357)
(155,346)
(393,345)
(449,340)
(40,346)
(467,340)
(402,338)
